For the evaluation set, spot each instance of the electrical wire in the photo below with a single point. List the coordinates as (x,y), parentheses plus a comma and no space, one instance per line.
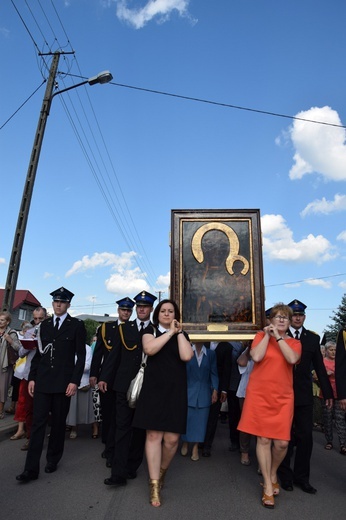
(21,106)
(226,105)
(118,205)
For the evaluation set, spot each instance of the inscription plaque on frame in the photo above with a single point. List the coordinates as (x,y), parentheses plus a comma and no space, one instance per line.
(217,273)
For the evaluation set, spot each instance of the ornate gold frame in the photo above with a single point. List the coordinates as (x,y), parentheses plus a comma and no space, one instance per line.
(217,273)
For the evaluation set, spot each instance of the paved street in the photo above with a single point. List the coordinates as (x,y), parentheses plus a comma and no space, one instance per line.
(215,488)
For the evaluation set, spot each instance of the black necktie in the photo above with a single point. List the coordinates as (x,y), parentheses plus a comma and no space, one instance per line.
(141,326)
(56,326)
(296,334)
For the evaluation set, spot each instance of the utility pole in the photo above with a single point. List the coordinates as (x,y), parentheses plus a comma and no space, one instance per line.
(13,269)
(18,241)
(159,293)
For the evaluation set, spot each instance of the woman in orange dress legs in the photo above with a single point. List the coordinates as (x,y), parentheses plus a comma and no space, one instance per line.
(268,407)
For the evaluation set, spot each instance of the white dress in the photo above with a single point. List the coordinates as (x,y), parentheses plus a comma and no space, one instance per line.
(81,404)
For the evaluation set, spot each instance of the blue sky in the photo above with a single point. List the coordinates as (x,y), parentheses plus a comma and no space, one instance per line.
(115,160)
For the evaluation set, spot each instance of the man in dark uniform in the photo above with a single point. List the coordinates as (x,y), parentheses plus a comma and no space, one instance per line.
(55,374)
(340,369)
(223,352)
(121,367)
(302,427)
(106,336)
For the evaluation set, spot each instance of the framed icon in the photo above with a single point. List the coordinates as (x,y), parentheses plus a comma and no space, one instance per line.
(217,273)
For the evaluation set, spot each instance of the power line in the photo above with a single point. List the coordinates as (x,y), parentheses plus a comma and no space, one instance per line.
(21,106)
(306,280)
(226,105)
(118,208)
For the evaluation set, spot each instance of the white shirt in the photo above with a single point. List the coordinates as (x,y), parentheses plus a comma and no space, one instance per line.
(293,331)
(199,355)
(61,318)
(146,323)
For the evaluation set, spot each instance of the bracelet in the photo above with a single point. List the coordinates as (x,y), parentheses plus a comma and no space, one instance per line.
(279,339)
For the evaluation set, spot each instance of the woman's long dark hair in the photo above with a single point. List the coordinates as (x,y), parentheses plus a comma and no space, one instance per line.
(157,310)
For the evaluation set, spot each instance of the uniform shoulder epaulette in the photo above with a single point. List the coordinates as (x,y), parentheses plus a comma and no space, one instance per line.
(313,332)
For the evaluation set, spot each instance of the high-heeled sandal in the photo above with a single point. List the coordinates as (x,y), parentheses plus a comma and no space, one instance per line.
(268,500)
(154,486)
(276,488)
(163,472)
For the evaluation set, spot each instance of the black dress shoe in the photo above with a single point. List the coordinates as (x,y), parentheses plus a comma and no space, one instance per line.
(132,475)
(287,485)
(115,481)
(108,463)
(306,487)
(26,476)
(50,468)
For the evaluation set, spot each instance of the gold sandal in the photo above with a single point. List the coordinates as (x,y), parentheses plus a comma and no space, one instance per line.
(276,488)
(268,501)
(163,472)
(154,486)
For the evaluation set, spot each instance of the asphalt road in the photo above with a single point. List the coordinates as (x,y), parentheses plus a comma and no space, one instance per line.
(214,488)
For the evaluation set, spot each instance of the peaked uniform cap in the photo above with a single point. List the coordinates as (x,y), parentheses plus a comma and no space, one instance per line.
(62,295)
(145,298)
(126,303)
(297,307)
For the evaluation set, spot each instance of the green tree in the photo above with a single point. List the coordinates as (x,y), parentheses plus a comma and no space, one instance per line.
(339,321)
(91,327)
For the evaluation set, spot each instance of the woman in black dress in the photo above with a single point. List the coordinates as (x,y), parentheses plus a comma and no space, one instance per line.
(162,405)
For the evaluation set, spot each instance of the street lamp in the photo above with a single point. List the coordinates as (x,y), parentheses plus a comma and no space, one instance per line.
(18,241)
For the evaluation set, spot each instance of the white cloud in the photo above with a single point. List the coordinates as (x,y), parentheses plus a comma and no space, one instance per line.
(317,282)
(47,275)
(278,243)
(342,284)
(2,261)
(342,236)
(325,206)
(318,148)
(127,282)
(160,10)
(104,259)
(126,279)
(164,280)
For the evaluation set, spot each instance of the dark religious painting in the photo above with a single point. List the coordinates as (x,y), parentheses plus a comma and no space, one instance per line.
(216,272)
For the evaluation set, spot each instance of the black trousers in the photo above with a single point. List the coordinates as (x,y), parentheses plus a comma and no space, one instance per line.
(107,400)
(233,415)
(213,419)
(301,439)
(128,442)
(58,405)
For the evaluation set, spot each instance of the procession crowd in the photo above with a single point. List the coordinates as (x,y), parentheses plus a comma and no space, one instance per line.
(274,390)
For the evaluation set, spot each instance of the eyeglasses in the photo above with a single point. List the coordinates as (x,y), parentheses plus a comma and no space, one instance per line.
(281,318)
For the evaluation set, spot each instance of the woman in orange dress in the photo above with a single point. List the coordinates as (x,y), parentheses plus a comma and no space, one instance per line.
(268,407)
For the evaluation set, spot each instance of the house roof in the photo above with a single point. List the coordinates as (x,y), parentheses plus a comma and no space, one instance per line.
(20,297)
